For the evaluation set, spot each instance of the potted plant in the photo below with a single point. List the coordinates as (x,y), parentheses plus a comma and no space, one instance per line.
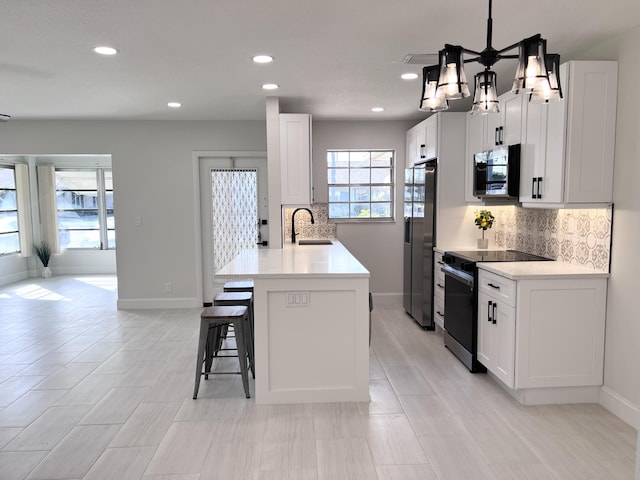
(43,251)
(484,219)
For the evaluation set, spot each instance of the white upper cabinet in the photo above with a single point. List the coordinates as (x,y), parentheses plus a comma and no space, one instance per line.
(506,128)
(295,159)
(485,132)
(422,141)
(412,149)
(476,125)
(568,149)
(431,137)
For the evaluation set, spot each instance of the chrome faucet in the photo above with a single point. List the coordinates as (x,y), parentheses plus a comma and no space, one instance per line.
(293,223)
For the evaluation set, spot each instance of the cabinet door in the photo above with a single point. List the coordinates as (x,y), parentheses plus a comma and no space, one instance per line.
(411,148)
(541,178)
(493,121)
(431,134)
(504,317)
(497,337)
(486,332)
(474,144)
(590,131)
(295,159)
(421,142)
(512,110)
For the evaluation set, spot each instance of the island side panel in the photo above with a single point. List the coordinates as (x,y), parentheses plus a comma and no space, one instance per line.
(312,339)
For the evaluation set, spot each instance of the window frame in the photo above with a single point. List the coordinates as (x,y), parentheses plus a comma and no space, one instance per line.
(370,185)
(15,190)
(101,207)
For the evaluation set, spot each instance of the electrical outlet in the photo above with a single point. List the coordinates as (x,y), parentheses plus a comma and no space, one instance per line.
(297,299)
(168,287)
(138,221)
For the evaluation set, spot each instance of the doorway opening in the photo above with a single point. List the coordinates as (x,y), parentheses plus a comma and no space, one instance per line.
(234,209)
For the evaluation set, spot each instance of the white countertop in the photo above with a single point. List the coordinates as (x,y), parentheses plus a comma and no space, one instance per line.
(295,261)
(540,270)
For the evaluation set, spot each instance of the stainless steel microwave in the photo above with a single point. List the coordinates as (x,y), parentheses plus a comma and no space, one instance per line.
(496,173)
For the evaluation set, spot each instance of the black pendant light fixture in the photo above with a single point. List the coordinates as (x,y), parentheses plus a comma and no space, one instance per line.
(537,74)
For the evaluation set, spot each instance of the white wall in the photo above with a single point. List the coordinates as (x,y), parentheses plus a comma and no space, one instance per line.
(153,179)
(378,246)
(621,392)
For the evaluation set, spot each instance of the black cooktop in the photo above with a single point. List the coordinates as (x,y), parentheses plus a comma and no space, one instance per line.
(495,256)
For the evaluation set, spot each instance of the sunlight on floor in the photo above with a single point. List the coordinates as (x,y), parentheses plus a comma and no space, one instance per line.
(36,292)
(106,283)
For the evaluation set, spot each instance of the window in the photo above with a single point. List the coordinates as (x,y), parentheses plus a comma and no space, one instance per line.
(84,200)
(360,184)
(9,239)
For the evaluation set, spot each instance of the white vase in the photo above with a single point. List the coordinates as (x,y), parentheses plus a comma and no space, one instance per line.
(46,272)
(483,243)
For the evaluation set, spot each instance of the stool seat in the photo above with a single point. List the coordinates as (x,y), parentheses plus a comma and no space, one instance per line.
(241,286)
(232,296)
(216,316)
(224,313)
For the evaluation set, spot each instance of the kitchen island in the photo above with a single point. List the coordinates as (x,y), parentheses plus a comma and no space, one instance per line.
(311,322)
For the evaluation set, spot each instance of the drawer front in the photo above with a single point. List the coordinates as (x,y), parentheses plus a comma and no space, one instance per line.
(438,311)
(438,274)
(497,287)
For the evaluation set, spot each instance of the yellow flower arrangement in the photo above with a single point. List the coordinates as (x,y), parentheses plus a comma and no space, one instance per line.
(484,219)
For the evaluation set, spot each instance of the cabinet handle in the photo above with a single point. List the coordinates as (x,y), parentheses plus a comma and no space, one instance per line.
(489,303)
(440,285)
(538,194)
(501,135)
(497,287)
(493,314)
(496,137)
(440,313)
(440,263)
(422,152)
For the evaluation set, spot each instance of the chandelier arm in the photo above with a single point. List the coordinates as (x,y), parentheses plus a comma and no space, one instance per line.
(501,57)
(471,52)
(471,60)
(510,47)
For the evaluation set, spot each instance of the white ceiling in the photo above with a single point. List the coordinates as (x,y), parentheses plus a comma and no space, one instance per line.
(334,59)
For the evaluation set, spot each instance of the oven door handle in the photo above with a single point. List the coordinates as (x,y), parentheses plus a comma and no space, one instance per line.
(458,275)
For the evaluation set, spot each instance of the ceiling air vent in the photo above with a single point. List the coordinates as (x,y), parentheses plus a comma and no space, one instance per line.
(421,58)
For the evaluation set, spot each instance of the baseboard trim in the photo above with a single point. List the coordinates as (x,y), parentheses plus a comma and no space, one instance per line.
(16,277)
(619,406)
(157,303)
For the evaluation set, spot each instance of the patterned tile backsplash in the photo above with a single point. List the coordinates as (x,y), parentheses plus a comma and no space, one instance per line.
(320,229)
(581,237)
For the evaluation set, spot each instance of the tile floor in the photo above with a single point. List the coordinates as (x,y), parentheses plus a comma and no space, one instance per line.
(89,392)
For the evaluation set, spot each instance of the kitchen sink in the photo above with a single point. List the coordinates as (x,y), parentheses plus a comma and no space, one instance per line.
(310,241)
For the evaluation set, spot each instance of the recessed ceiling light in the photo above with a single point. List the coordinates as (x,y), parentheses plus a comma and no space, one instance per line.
(269,86)
(263,59)
(377,109)
(174,104)
(104,50)
(409,76)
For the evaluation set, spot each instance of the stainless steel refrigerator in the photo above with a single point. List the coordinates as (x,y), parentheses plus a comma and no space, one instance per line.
(419,237)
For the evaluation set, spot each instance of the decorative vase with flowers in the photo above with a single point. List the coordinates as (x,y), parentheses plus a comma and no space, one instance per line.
(484,219)
(43,251)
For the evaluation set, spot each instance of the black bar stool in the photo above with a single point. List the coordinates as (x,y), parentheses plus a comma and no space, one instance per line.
(238,298)
(217,316)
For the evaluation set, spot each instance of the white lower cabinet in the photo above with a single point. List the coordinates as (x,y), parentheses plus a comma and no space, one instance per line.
(543,338)
(496,337)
